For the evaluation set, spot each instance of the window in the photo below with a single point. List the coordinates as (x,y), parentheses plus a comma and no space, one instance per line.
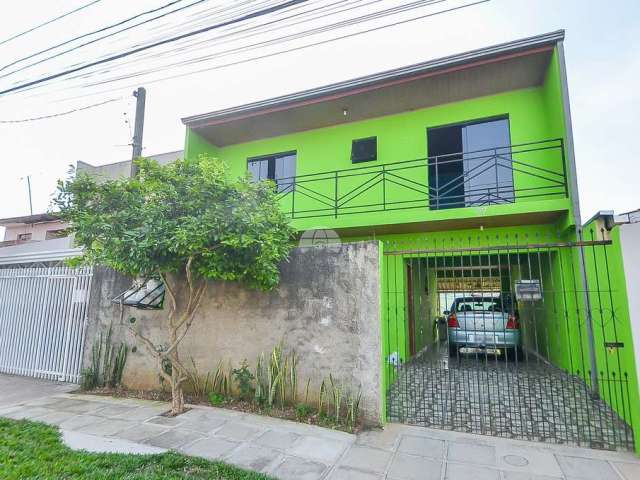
(280,167)
(51,234)
(470,164)
(364,150)
(24,237)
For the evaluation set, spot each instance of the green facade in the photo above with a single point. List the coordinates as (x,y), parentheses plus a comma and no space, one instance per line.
(535,114)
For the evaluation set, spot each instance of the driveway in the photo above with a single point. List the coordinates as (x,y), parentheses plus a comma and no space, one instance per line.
(293,451)
(529,399)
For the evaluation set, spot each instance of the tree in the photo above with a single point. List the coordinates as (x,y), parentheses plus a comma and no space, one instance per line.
(184,223)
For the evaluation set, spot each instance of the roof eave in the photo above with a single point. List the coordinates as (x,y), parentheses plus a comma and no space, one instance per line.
(529,43)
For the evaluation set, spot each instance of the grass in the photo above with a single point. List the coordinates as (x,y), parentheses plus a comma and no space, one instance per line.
(35,450)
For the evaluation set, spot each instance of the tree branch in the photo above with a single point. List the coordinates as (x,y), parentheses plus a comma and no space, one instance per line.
(188,318)
(153,350)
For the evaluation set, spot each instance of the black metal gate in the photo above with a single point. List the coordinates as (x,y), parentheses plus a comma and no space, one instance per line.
(512,336)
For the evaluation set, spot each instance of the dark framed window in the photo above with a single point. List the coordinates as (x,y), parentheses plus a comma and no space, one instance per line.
(279,167)
(470,163)
(364,150)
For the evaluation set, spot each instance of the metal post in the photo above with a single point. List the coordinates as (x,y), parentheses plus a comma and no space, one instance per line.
(29,188)
(141,95)
(335,192)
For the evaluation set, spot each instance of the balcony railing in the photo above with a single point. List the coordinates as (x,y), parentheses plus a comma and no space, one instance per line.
(514,173)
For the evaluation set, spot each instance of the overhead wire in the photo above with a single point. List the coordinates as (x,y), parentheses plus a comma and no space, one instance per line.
(156,44)
(48,22)
(60,114)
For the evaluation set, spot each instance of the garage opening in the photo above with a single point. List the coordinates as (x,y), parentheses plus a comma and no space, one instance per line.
(506,340)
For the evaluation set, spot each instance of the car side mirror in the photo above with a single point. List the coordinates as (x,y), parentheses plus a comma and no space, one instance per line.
(446,312)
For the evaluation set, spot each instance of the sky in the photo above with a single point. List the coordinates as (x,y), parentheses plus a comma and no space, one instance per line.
(602,50)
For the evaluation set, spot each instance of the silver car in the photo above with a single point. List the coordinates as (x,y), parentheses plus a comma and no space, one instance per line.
(485,324)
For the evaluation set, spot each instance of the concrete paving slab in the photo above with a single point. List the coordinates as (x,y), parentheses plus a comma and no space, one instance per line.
(174,438)
(252,457)
(76,406)
(293,468)
(539,461)
(93,443)
(140,432)
(526,476)
(210,447)
(455,471)
(586,468)
(320,449)
(114,411)
(167,421)
(471,453)
(278,439)
(629,471)
(204,425)
(385,439)
(238,432)
(76,422)
(56,418)
(421,446)
(343,473)
(29,413)
(410,467)
(366,458)
(106,428)
(141,413)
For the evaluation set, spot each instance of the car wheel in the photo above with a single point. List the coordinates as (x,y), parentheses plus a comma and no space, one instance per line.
(453,350)
(514,353)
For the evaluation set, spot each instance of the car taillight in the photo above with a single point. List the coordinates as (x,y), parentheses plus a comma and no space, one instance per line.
(512,323)
(452,321)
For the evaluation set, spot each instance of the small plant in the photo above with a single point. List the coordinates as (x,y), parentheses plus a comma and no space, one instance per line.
(107,363)
(200,385)
(321,394)
(306,391)
(244,379)
(353,410)
(303,411)
(336,389)
(220,381)
(216,399)
(293,376)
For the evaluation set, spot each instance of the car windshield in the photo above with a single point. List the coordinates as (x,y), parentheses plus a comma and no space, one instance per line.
(478,305)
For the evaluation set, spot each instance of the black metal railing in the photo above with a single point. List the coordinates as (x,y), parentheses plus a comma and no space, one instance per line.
(507,174)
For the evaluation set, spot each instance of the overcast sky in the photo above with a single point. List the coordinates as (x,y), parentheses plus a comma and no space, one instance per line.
(602,49)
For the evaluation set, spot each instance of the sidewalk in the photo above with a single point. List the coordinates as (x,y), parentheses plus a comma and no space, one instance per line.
(292,451)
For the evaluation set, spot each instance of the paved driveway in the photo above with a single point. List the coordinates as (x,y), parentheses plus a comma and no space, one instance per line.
(529,399)
(292,451)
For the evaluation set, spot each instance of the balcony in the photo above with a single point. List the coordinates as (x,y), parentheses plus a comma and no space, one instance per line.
(499,176)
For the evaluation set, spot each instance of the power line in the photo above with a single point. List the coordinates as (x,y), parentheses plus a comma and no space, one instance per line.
(109,27)
(156,44)
(60,114)
(49,21)
(280,52)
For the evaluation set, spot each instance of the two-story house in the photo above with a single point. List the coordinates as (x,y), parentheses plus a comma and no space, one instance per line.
(463,167)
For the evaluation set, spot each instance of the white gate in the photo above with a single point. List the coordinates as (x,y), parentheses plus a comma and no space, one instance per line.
(43,315)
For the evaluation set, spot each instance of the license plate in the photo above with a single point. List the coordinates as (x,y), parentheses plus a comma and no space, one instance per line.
(488,351)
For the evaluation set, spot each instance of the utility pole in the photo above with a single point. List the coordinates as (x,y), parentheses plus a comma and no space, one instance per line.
(141,95)
(29,189)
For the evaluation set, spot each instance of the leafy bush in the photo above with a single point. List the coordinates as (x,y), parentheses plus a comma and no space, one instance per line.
(244,379)
(107,363)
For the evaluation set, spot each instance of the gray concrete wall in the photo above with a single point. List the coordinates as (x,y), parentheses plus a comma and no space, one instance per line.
(327,308)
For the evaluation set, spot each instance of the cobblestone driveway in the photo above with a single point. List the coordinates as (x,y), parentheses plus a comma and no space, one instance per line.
(528,399)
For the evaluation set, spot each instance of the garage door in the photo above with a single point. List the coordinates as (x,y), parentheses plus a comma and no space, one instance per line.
(43,315)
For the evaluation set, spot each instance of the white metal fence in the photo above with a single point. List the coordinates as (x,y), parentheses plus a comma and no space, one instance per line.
(43,315)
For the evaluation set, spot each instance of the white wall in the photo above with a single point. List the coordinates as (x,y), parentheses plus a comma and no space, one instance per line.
(38,230)
(630,239)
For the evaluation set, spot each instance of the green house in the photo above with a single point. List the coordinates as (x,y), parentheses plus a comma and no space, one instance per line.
(463,168)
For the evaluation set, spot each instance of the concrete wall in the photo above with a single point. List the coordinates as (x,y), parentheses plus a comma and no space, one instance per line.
(38,231)
(327,308)
(113,171)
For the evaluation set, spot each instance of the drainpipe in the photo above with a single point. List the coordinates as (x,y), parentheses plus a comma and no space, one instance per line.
(575,202)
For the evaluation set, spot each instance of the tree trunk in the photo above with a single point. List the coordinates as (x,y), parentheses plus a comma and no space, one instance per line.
(177,395)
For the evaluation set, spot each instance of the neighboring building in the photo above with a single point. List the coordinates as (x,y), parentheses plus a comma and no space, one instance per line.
(463,167)
(123,169)
(32,228)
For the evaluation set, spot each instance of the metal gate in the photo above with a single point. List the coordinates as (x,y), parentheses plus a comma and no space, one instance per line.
(509,336)
(43,315)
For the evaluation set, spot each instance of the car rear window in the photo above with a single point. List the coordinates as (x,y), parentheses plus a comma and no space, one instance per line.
(478,305)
